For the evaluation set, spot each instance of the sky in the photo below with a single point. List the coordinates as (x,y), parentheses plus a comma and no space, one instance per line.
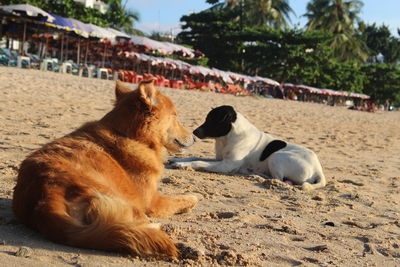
(163,15)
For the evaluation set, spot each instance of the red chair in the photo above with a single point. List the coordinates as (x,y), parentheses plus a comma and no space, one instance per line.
(189,84)
(202,86)
(137,78)
(178,84)
(167,83)
(129,76)
(162,81)
(157,82)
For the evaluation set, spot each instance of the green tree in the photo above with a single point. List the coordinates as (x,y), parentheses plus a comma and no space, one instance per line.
(208,31)
(381,43)
(383,83)
(119,17)
(339,17)
(272,13)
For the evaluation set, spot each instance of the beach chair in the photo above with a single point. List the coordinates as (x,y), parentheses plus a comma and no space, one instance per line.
(84,71)
(129,76)
(137,78)
(102,73)
(9,56)
(202,86)
(178,84)
(164,82)
(23,62)
(66,67)
(35,61)
(47,65)
(3,60)
(189,84)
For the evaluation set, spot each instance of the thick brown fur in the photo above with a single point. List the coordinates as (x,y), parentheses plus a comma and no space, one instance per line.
(95,187)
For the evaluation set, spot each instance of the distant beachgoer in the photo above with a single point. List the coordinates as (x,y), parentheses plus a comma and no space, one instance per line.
(293,96)
(370,106)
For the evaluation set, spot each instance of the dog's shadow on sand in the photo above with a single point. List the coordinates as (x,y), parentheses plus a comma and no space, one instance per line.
(14,234)
(258,180)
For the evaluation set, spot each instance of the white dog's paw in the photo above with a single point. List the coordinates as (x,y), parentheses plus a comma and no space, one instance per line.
(172,160)
(180,165)
(172,163)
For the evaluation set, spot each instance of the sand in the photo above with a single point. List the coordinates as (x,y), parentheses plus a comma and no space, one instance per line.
(353,221)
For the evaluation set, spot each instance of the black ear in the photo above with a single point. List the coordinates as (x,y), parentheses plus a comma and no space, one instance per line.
(230,114)
(272,147)
(223,114)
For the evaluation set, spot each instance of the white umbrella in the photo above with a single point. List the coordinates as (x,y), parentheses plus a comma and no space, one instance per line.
(267,81)
(175,47)
(202,70)
(31,11)
(118,33)
(101,33)
(150,43)
(225,76)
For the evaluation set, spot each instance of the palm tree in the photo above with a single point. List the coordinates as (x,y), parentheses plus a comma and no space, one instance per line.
(339,17)
(120,17)
(272,13)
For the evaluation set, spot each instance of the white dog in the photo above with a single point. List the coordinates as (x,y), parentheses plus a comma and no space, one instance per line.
(241,148)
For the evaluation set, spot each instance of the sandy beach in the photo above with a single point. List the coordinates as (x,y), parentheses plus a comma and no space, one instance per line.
(353,221)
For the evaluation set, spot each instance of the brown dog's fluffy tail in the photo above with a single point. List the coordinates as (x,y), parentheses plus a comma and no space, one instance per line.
(108,224)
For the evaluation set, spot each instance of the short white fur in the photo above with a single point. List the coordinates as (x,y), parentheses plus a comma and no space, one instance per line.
(239,152)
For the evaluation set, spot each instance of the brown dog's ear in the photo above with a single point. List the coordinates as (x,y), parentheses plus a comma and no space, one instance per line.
(121,90)
(147,92)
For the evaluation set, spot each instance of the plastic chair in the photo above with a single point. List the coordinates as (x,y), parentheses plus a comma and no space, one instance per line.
(178,84)
(66,67)
(47,65)
(102,73)
(23,62)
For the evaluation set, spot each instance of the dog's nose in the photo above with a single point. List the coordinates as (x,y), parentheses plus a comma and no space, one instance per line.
(199,133)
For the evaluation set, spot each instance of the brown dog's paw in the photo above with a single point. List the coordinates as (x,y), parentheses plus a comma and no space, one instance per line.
(191,201)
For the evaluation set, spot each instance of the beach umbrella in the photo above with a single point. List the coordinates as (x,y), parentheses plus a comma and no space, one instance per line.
(81,28)
(267,81)
(202,70)
(224,75)
(101,33)
(179,48)
(119,33)
(29,10)
(58,22)
(149,43)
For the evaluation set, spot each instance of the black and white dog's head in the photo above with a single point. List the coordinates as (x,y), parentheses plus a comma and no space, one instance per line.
(218,123)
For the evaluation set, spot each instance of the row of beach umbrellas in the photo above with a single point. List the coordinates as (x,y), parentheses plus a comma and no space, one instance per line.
(309,89)
(90,30)
(226,76)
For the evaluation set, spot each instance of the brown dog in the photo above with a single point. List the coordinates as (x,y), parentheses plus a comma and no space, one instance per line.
(94,187)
